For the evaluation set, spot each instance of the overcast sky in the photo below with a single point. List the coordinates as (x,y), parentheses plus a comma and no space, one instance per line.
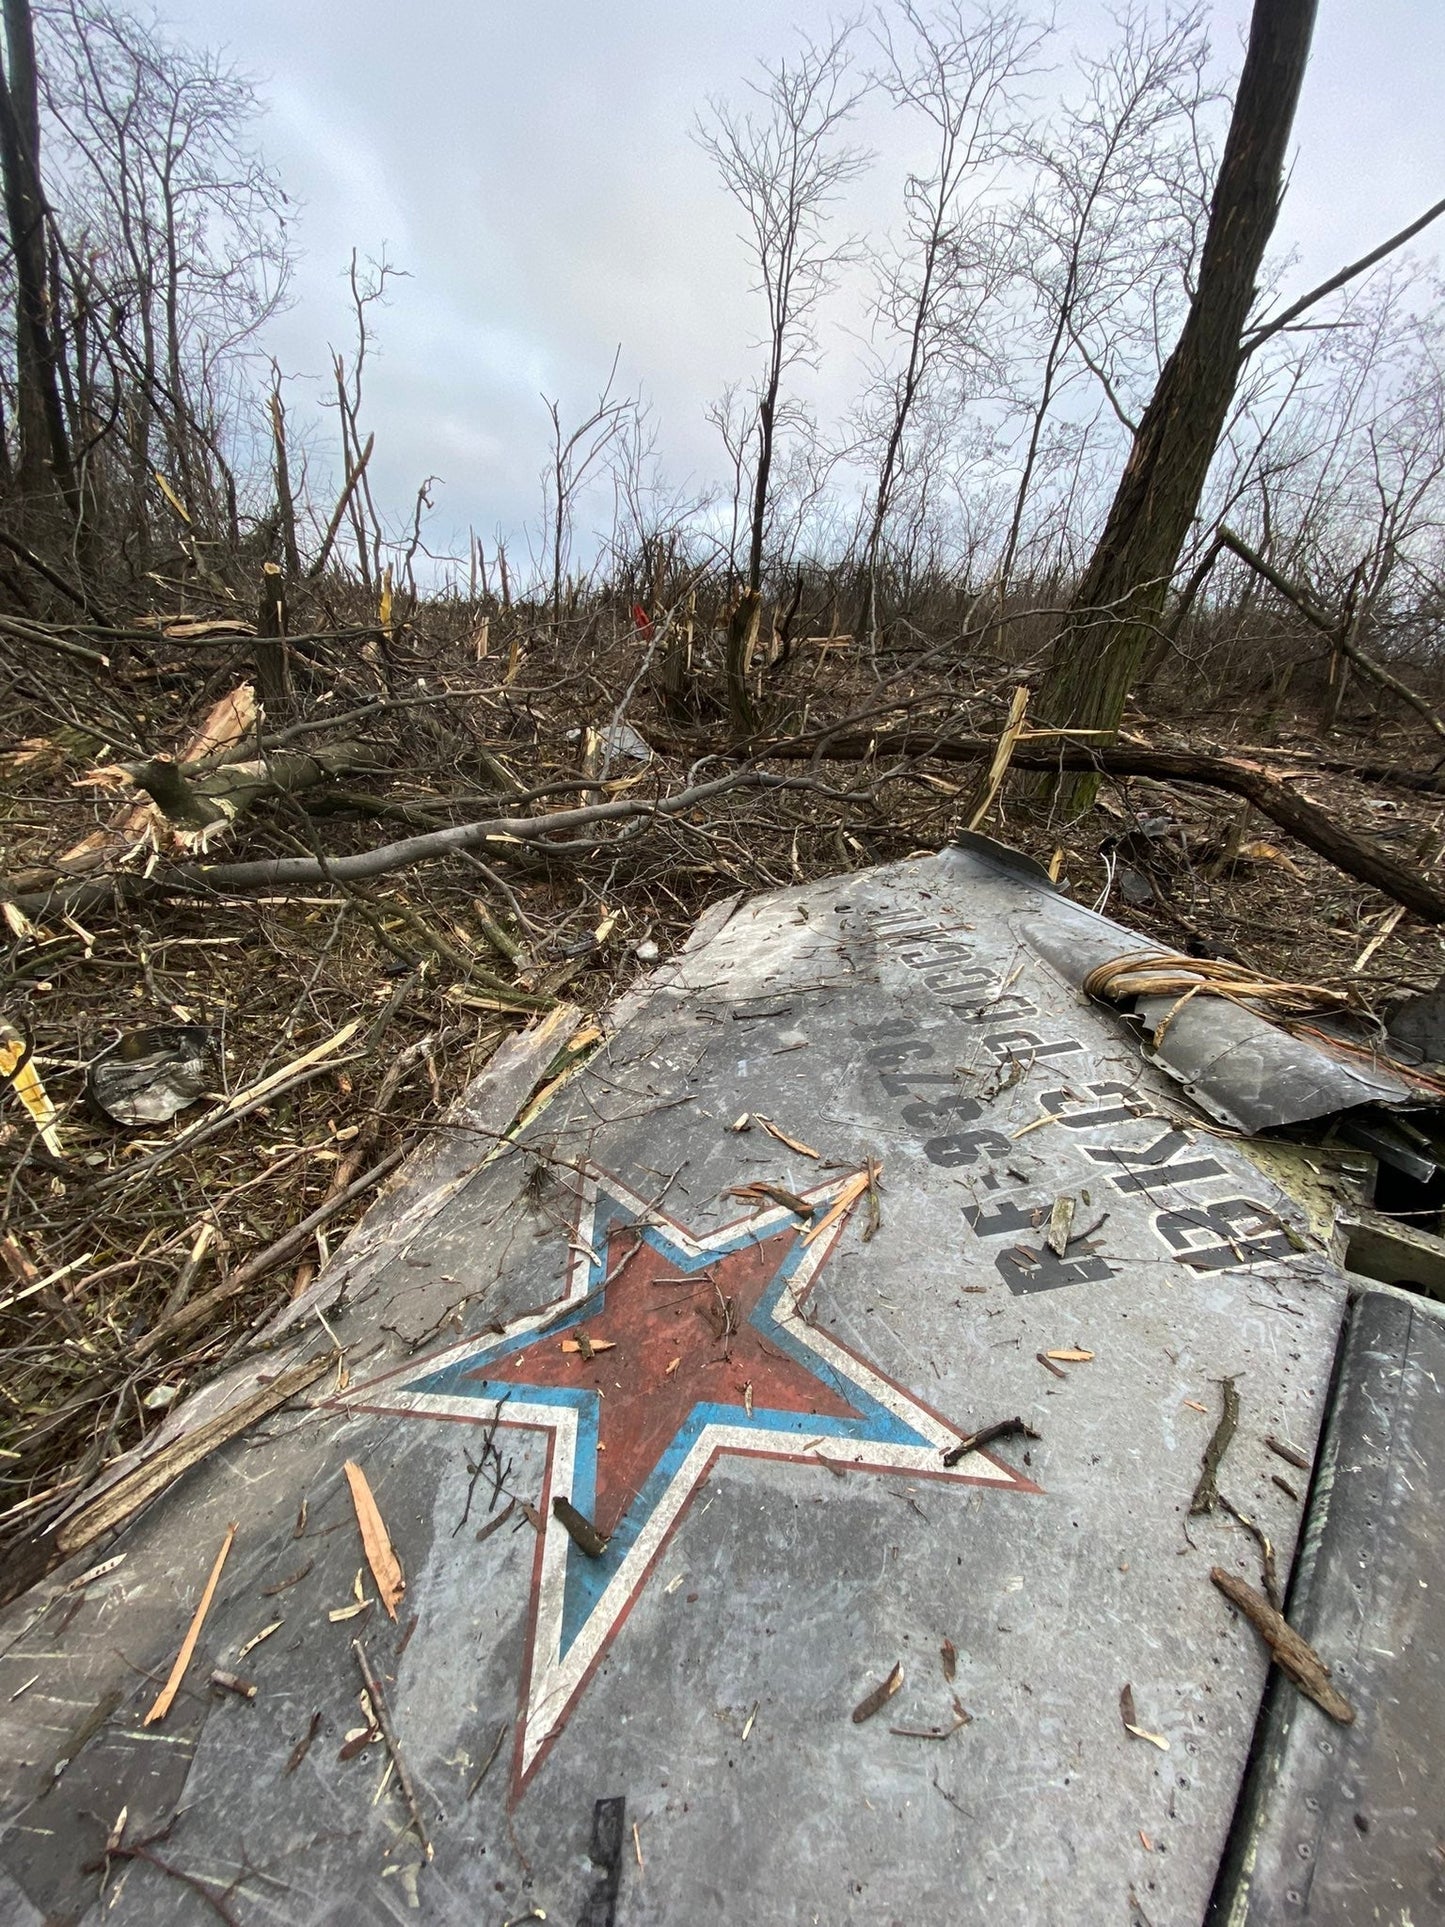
(530,168)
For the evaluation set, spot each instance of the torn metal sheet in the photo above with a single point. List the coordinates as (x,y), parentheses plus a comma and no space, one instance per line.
(668,1404)
(1241,1069)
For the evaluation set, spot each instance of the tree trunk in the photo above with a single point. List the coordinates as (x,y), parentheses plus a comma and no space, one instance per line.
(44,445)
(1117,608)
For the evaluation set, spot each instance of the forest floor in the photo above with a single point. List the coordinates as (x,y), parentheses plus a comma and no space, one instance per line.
(368,1010)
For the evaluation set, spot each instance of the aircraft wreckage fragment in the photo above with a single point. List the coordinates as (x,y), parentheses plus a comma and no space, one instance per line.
(845,1331)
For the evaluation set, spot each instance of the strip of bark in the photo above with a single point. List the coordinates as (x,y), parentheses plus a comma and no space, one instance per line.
(1206,1493)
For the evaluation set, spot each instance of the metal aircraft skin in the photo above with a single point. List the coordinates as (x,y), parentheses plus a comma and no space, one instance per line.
(712,1612)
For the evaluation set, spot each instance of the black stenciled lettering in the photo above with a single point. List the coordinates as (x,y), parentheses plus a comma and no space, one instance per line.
(935,1113)
(1060,1104)
(1006,1219)
(950,983)
(892,1027)
(888,1057)
(1023,1043)
(930,956)
(1153,1164)
(1226,1219)
(905,1083)
(1048,1272)
(964,1147)
(997,1007)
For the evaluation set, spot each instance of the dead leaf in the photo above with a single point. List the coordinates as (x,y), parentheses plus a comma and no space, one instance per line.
(579,1528)
(1257,850)
(167,1694)
(380,1553)
(948,1653)
(1130,1718)
(879,1697)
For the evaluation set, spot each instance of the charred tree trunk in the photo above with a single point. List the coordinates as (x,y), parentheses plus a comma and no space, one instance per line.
(1117,608)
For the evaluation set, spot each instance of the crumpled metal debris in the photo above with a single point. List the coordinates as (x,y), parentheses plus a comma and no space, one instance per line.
(148,1075)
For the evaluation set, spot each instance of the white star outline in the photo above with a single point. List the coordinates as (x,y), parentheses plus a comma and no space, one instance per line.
(558,1668)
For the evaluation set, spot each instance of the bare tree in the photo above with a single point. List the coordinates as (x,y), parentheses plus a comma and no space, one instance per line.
(784,163)
(573,460)
(1109,228)
(44,444)
(169,240)
(955,68)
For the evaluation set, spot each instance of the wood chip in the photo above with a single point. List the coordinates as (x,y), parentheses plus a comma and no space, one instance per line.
(803,1150)
(233,1683)
(1071,1355)
(1294,1656)
(1061,1219)
(589,1345)
(948,1653)
(166,1696)
(879,1697)
(380,1553)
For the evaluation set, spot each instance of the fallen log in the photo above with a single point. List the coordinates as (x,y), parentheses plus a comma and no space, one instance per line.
(1355,855)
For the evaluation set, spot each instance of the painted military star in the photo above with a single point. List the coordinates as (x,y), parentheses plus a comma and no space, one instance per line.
(666,1349)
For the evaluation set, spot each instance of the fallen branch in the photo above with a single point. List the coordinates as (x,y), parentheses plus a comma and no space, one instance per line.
(1355,855)
(1206,1492)
(381,1712)
(248,1274)
(1294,1656)
(149,1476)
(204,879)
